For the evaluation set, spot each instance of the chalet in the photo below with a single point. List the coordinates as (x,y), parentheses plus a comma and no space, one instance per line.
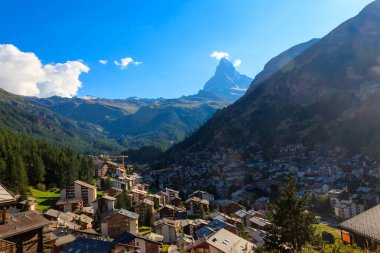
(363,229)
(172,194)
(84,245)
(80,190)
(203,195)
(197,206)
(142,208)
(169,211)
(69,205)
(24,229)
(145,244)
(100,168)
(118,221)
(157,200)
(229,207)
(169,229)
(221,241)
(346,209)
(190,226)
(104,203)
(138,195)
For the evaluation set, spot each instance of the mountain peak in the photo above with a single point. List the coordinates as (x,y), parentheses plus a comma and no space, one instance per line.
(227,83)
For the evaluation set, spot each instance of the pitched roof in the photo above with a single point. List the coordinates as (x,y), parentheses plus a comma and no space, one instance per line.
(124,212)
(22,222)
(68,201)
(226,241)
(85,184)
(204,232)
(366,223)
(127,237)
(5,196)
(82,245)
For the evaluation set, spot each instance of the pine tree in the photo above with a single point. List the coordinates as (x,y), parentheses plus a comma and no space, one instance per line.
(291,224)
(148,219)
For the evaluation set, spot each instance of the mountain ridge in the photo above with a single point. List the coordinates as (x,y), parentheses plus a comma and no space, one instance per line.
(329,92)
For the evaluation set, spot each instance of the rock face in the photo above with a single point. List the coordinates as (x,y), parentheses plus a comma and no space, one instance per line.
(328,94)
(227,83)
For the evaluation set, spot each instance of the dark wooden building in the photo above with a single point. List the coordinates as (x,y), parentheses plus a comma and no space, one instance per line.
(363,229)
(24,230)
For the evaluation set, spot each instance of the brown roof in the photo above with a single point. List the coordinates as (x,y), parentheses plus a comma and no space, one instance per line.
(85,184)
(68,201)
(366,223)
(22,222)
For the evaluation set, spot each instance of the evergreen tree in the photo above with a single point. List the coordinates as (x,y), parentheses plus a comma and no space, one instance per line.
(148,219)
(291,224)
(36,171)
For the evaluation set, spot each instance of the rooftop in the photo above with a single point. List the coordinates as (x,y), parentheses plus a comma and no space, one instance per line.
(226,241)
(85,184)
(5,196)
(22,222)
(366,223)
(82,244)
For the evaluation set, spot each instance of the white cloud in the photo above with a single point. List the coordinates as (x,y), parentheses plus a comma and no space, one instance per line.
(237,63)
(220,55)
(124,62)
(23,73)
(103,62)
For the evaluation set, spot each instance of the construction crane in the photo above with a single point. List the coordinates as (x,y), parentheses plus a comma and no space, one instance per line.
(122,158)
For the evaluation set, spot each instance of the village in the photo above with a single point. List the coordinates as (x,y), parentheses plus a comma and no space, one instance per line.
(194,209)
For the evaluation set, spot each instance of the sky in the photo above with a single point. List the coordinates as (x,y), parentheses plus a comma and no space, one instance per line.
(149,48)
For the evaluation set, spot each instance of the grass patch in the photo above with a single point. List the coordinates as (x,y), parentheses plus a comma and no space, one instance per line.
(165,248)
(45,199)
(144,230)
(99,193)
(320,227)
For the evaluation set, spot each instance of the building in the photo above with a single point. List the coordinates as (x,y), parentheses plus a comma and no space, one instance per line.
(84,245)
(7,200)
(118,221)
(80,190)
(346,209)
(229,207)
(172,194)
(145,244)
(169,229)
(24,229)
(69,205)
(203,195)
(169,211)
(197,206)
(363,229)
(221,241)
(143,207)
(104,203)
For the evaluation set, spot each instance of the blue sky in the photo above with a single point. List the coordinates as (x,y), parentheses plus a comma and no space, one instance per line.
(173,39)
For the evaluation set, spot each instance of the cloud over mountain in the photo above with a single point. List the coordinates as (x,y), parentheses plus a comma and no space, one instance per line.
(23,73)
(124,62)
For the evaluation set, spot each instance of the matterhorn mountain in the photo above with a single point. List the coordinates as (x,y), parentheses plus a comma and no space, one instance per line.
(227,83)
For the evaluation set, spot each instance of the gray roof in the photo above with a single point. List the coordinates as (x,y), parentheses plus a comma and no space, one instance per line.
(85,184)
(5,196)
(124,212)
(366,223)
(22,222)
(226,241)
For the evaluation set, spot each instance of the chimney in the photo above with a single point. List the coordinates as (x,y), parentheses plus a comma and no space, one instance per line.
(4,216)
